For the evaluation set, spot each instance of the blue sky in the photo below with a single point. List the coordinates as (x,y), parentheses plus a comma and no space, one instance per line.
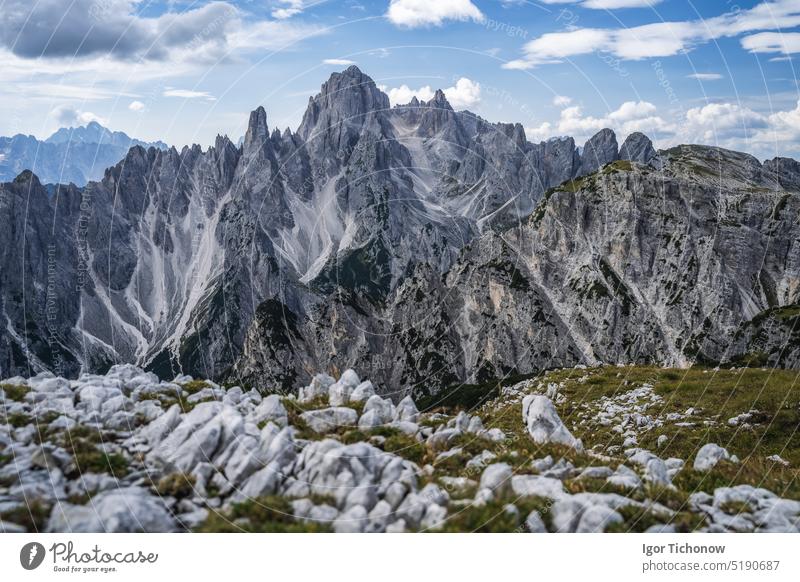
(721,73)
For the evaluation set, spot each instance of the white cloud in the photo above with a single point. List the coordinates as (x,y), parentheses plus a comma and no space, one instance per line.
(662,39)
(631,110)
(600,4)
(705,76)
(738,127)
(629,117)
(613,4)
(721,117)
(136,106)
(338,62)
(773,42)
(289,8)
(116,30)
(730,125)
(68,116)
(786,124)
(561,100)
(416,13)
(554,46)
(189,94)
(464,94)
(403,94)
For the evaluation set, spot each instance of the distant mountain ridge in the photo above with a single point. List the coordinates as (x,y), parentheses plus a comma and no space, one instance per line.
(74,155)
(425,245)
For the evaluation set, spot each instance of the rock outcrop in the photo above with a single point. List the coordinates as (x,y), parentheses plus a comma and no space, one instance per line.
(127,452)
(425,244)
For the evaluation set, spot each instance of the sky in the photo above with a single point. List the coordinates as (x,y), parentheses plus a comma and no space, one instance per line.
(182,71)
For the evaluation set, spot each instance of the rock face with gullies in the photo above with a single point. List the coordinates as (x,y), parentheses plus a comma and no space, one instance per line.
(637,148)
(428,245)
(601,149)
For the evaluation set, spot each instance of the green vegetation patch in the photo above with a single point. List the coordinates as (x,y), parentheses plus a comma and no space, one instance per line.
(178,485)
(83,444)
(15,392)
(33,516)
(268,514)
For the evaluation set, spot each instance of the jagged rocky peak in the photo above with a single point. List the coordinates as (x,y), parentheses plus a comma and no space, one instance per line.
(785,171)
(202,244)
(26,177)
(600,149)
(715,166)
(346,97)
(439,101)
(637,148)
(257,131)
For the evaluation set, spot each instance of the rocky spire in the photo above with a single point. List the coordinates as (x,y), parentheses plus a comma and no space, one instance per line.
(257,131)
(347,96)
(637,148)
(600,149)
(439,101)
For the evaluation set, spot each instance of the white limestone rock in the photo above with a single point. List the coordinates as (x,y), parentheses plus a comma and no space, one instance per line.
(497,478)
(534,523)
(271,409)
(362,392)
(383,407)
(407,410)
(537,486)
(543,423)
(353,520)
(708,456)
(130,509)
(328,419)
(317,388)
(655,473)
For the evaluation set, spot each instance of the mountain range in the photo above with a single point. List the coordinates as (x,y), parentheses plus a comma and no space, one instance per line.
(71,155)
(424,246)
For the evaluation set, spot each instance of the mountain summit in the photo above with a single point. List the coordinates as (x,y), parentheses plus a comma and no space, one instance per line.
(94,133)
(426,245)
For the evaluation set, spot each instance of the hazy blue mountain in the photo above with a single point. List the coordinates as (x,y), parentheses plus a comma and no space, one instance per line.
(71,155)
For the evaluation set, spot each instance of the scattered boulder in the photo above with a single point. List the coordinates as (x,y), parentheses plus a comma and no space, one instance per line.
(407,410)
(326,420)
(362,392)
(537,486)
(543,423)
(127,510)
(442,439)
(271,409)
(317,388)
(708,456)
(496,478)
(232,445)
(625,477)
(655,473)
(534,523)
(778,459)
(383,408)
